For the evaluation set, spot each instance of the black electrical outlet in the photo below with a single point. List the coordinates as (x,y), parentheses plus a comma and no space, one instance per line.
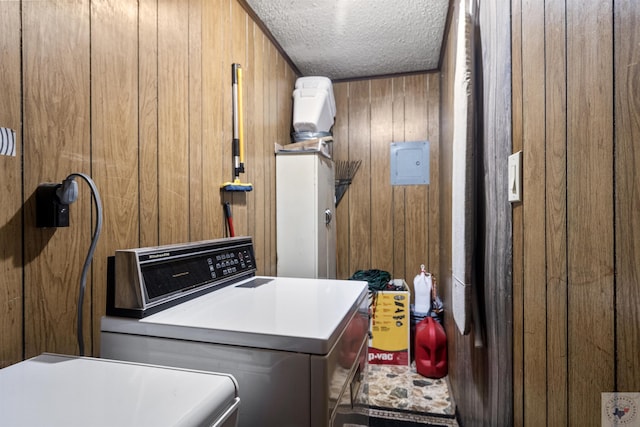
(50,212)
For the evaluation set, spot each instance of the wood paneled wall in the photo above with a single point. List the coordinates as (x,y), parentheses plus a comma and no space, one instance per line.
(480,363)
(136,94)
(576,117)
(626,167)
(380,226)
(573,79)
(11,256)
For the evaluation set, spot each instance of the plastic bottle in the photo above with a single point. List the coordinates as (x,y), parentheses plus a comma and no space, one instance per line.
(422,288)
(431,349)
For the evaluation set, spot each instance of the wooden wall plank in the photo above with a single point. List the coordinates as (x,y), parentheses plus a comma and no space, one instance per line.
(250,129)
(456,363)
(173,122)
(359,190)
(195,96)
(226,88)
(517,233)
(284,90)
(416,196)
(272,131)
(217,85)
(433,135)
(534,285)
(147,70)
(495,137)
(56,122)
(627,203)
(257,145)
(11,190)
(341,152)
(237,54)
(114,47)
(284,114)
(267,150)
(381,191)
(589,206)
(556,196)
(399,229)
(264,150)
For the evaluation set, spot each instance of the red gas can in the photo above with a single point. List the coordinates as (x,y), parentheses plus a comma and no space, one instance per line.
(431,348)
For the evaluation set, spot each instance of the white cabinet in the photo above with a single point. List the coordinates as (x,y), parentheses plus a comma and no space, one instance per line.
(305,212)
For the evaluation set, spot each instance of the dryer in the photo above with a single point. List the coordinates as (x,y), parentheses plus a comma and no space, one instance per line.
(296,346)
(66,391)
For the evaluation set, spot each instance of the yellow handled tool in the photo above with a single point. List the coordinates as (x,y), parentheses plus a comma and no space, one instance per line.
(238,134)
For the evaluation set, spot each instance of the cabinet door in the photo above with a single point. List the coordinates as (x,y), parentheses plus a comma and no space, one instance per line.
(327,225)
(306,234)
(297,215)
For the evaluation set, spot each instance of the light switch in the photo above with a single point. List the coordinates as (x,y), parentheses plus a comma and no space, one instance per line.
(515,177)
(7,142)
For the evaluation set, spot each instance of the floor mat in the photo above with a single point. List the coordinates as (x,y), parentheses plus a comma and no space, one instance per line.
(402,388)
(397,396)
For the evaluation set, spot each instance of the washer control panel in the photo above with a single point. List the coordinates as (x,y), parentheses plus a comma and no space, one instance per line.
(148,279)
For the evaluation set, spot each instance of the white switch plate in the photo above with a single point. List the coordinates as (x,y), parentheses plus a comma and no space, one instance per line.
(515,177)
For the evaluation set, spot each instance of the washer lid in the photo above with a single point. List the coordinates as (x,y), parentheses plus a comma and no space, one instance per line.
(54,390)
(278,313)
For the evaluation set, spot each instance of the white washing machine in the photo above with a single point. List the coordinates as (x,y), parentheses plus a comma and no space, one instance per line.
(297,347)
(67,391)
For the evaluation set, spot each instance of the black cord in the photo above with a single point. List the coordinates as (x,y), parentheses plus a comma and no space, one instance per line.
(377,279)
(92,248)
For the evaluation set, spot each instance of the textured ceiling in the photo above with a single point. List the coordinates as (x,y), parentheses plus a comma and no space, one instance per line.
(346,39)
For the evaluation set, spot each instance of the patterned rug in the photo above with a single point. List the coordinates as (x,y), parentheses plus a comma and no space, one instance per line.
(400,397)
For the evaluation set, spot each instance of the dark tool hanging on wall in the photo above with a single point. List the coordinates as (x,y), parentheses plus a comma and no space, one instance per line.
(229,218)
(345,171)
(238,134)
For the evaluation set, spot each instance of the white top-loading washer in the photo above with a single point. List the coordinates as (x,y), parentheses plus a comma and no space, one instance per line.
(297,347)
(277,313)
(66,391)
